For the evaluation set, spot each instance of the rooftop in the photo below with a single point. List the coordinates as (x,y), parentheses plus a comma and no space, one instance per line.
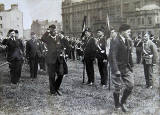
(150,7)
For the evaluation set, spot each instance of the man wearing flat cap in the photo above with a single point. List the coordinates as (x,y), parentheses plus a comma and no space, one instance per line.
(54,59)
(121,66)
(15,55)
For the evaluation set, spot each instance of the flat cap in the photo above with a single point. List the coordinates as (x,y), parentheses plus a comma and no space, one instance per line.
(124,27)
(32,33)
(52,26)
(88,29)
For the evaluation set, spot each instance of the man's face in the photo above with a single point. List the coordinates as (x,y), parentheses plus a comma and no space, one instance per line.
(87,34)
(61,35)
(53,30)
(100,33)
(113,34)
(33,36)
(127,33)
(145,37)
(12,34)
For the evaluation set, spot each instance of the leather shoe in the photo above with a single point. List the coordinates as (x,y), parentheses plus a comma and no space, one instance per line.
(117,108)
(124,108)
(53,93)
(59,93)
(149,86)
(90,84)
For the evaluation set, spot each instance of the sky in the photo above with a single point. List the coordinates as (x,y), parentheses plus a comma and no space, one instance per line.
(36,9)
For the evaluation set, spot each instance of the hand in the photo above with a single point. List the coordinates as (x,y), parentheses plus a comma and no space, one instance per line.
(105,61)
(150,56)
(102,51)
(118,74)
(154,64)
(48,30)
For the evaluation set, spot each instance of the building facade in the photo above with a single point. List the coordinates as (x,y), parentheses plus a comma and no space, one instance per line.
(10,19)
(118,11)
(40,27)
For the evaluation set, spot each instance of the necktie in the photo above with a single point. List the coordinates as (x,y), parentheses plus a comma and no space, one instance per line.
(126,43)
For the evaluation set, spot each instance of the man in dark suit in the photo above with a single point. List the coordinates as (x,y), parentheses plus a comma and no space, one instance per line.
(102,66)
(54,59)
(33,53)
(90,55)
(15,55)
(121,66)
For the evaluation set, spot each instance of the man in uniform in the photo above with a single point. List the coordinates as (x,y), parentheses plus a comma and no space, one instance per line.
(54,59)
(149,56)
(102,66)
(33,53)
(121,66)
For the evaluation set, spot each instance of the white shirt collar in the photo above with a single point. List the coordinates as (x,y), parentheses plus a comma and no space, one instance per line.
(13,38)
(122,38)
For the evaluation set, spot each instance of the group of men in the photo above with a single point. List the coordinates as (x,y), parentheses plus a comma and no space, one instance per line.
(115,51)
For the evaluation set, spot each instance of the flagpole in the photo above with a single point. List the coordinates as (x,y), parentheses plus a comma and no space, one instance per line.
(83,33)
(108,65)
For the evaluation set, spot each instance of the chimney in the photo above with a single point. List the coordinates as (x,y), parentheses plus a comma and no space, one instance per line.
(14,6)
(1,7)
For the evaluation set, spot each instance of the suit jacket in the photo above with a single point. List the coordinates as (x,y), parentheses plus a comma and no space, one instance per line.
(33,49)
(120,55)
(15,49)
(90,49)
(54,48)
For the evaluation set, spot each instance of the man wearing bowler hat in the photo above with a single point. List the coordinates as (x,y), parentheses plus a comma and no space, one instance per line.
(54,59)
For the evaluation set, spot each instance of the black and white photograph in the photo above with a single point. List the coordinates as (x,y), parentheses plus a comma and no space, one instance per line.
(79,57)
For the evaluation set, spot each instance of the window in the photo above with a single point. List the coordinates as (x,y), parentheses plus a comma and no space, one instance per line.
(132,21)
(0,25)
(1,33)
(149,20)
(137,4)
(0,17)
(158,19)
(143,21)
(139,21)
(126,6)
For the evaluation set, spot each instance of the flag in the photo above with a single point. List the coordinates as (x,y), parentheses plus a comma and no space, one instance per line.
(108,26)
(108,22)
(84,26)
